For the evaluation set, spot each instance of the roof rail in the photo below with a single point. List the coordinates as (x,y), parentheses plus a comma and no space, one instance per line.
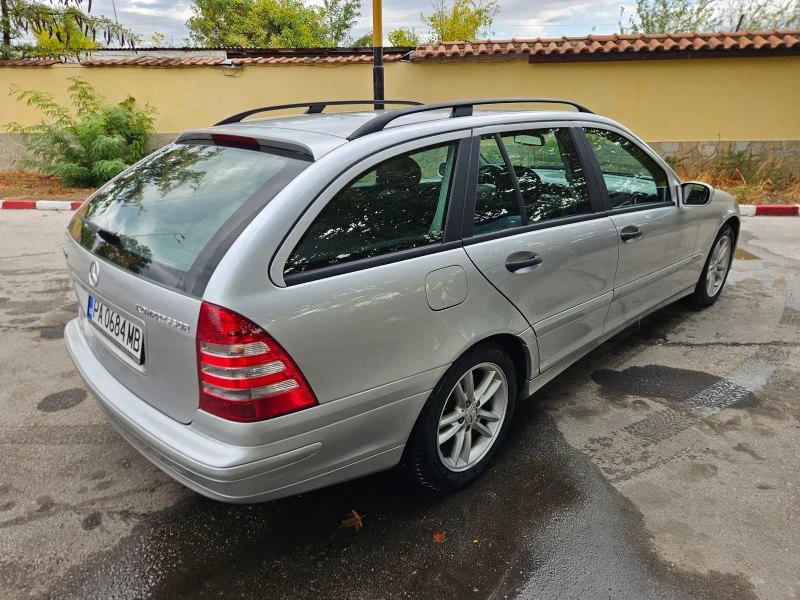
(313,107)
(461,108)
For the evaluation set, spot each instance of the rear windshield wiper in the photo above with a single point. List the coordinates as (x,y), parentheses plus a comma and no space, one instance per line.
(105,234)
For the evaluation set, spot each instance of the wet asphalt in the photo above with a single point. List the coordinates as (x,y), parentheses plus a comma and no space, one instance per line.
(663,465)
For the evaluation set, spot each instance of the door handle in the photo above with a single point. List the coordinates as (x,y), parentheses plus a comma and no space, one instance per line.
(516,265)
(630,234)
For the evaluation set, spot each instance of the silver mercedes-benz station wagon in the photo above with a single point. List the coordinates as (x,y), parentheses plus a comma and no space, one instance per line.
(269,306)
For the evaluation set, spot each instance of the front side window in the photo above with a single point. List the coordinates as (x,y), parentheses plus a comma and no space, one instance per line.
(631,175)
(397,205)
(549,173)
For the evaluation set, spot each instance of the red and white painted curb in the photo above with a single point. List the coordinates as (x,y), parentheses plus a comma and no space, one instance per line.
(39,204)
(747,210)
(770,210)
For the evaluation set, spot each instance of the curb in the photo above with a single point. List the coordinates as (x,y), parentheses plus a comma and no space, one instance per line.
(747,210)
(39,205)
(770,210)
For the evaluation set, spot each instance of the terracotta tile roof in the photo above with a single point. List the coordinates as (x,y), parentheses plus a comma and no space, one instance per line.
(29,62)
(282,60)
(144,61)
(612,45)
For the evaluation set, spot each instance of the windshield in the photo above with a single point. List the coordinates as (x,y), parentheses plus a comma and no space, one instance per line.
(172,217)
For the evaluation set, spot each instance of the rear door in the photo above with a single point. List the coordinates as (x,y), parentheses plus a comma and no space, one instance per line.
(656,236)
(142,249)
(537,231)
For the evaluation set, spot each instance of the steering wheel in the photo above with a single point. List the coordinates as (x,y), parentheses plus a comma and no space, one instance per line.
(490,173)
(631,201)
(529,177)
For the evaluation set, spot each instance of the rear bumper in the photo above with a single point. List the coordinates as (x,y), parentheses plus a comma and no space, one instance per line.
(349,447)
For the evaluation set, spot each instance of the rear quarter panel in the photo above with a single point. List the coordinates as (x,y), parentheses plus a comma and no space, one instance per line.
(361,330)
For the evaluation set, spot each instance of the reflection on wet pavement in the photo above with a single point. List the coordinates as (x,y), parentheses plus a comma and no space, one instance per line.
(742,254)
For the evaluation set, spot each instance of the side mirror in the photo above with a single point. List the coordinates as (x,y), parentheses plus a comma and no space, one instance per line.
(695,193)
(441,169)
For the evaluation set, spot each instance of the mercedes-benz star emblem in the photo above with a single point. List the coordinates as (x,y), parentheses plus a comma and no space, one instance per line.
(94,273)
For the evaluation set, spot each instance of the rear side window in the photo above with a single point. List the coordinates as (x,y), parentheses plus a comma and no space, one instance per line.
(632,177)
(397,205)
(172,218)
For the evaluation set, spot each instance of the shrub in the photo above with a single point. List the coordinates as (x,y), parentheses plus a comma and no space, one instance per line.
(88,145)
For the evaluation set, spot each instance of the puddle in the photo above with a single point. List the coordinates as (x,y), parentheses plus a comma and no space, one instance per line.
(653,381)
(62,400)
(742,254)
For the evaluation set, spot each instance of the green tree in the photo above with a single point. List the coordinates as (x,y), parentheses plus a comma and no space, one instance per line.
(257,23)
(339,17)
(89,145)
(454,20)
(365,41)
(404,36)
(60,20)
(55,45)
(669,16)
(158,40)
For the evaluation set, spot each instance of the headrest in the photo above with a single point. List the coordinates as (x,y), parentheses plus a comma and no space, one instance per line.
(400,173)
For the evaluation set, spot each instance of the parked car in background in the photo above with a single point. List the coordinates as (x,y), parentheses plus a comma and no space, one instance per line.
(274,305)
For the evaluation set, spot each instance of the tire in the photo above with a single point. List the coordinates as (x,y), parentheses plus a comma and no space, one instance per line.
(430,464)
(705,294)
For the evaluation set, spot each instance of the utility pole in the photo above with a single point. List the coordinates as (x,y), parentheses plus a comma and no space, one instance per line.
(377,52)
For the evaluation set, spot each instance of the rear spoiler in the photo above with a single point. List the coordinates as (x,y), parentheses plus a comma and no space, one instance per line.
(276,140)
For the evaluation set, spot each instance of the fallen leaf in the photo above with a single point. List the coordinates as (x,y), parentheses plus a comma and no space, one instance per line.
(474,541)
(439,537)
(354,521)
(278,562)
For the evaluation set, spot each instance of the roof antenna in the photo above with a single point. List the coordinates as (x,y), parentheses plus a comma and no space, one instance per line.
(739,24)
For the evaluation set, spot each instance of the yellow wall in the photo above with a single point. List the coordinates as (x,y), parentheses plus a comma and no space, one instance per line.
(667,100)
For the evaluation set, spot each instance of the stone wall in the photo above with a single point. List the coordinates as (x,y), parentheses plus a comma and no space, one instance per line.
(12,150)
(784,155)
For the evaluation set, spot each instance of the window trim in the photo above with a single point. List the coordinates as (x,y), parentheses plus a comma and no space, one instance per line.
(501,233)
(497,131)
(368,263)
(345,178)
(598,172)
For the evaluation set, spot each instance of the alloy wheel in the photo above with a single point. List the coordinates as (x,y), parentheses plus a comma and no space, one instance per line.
(472,416)
(718,265)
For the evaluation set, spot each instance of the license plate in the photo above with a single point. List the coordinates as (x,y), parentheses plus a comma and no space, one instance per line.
(127,335)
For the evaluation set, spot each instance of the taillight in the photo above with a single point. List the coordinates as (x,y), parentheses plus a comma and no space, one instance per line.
(236,141)
(244,374)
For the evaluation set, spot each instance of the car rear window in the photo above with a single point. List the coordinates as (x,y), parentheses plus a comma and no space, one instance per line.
(171,218)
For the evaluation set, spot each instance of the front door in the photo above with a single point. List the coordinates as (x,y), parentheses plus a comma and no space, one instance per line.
(656,237)
(538,233)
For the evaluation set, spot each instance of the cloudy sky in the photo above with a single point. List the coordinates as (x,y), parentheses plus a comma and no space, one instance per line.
(517,18)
